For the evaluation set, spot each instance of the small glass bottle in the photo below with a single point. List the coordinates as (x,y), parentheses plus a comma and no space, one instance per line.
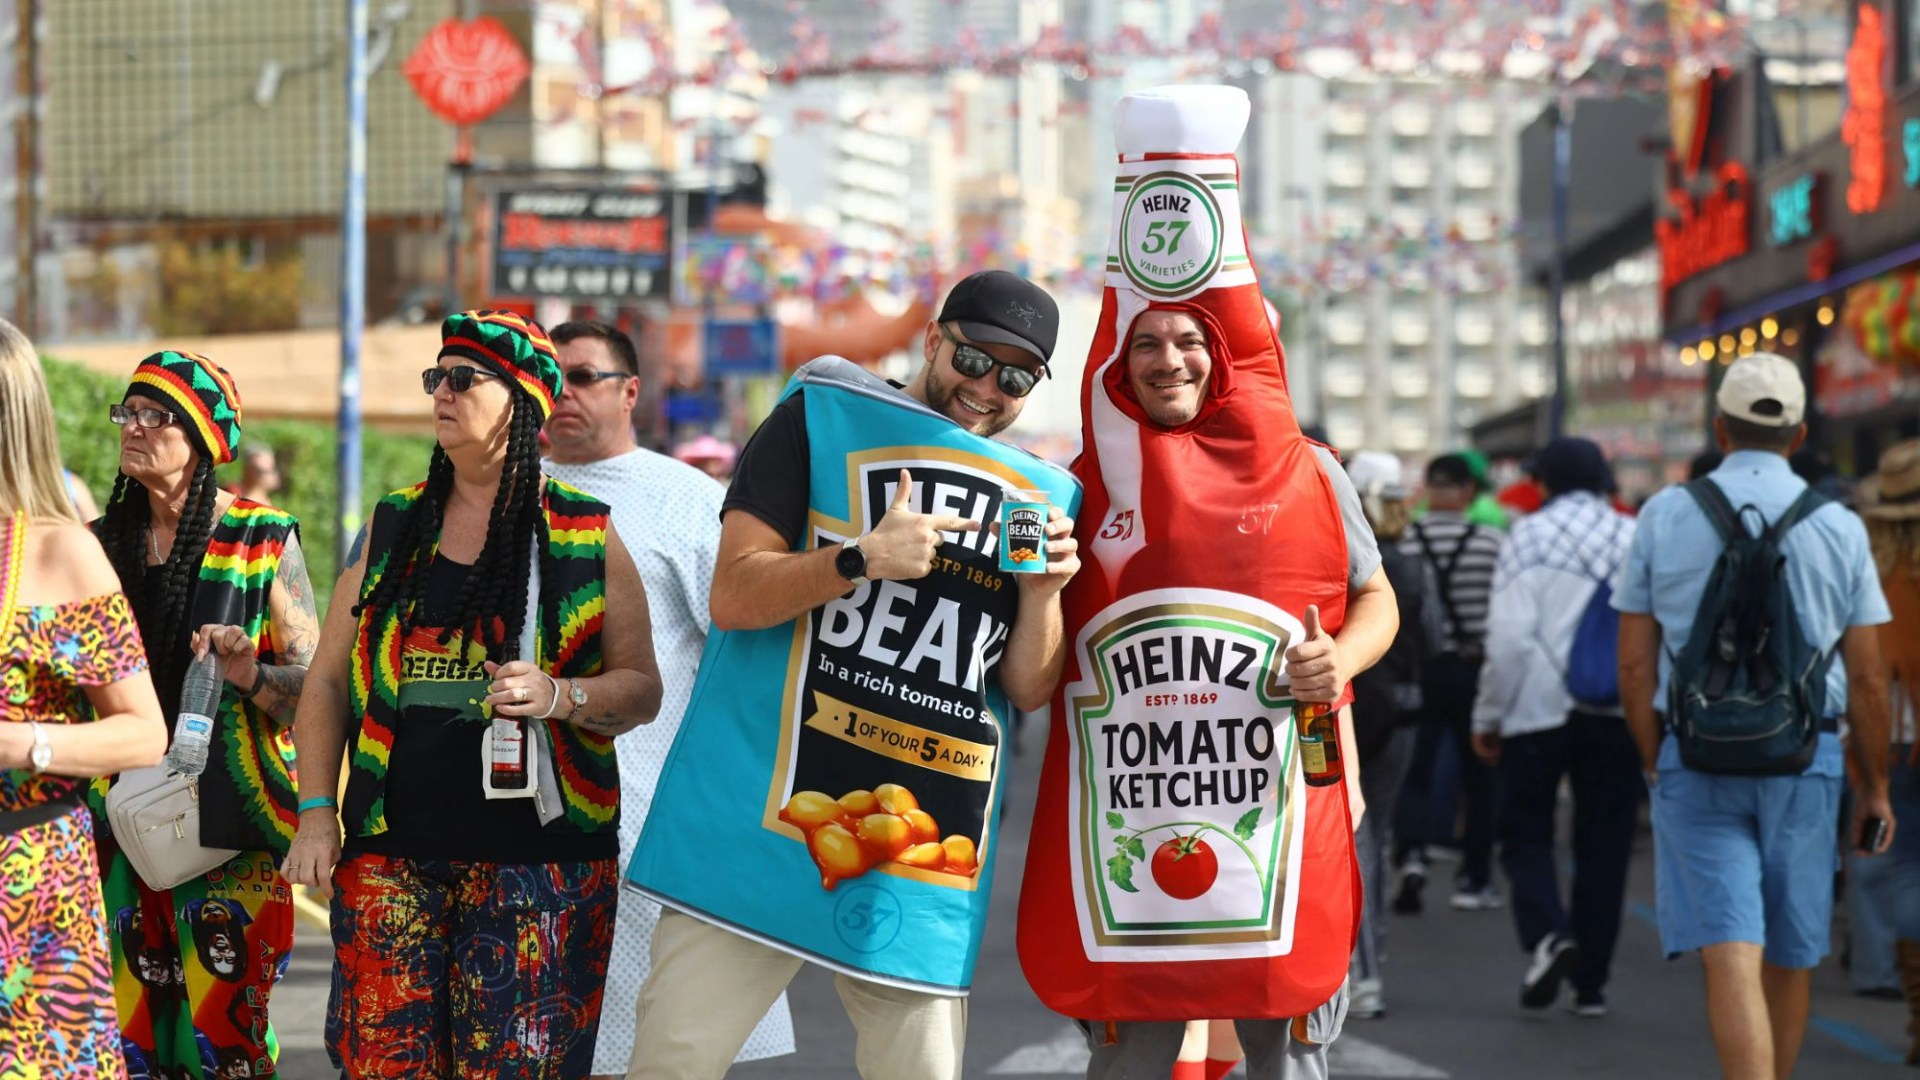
(1319,730)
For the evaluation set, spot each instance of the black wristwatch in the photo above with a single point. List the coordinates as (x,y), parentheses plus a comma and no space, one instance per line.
(851,563)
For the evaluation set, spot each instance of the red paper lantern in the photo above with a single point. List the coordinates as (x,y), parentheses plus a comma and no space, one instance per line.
(465,71)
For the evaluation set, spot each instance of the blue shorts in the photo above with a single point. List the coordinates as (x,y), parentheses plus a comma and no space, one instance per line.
(1746,858)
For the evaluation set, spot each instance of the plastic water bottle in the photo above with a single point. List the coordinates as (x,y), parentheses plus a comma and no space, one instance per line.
(193,729)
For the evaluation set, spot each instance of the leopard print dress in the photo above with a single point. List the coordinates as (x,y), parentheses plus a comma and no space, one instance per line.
(57,1019)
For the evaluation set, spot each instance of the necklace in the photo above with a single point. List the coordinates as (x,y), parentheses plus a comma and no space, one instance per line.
(153,543)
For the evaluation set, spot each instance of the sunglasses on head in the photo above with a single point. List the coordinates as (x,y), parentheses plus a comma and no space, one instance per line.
(146,418)
(972,362)
(585,377)
(461,377)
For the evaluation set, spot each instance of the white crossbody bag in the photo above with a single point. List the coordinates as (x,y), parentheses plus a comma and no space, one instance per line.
(155,817)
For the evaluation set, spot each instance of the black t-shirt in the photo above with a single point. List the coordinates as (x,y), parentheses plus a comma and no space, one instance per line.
(771,481)
(436,805)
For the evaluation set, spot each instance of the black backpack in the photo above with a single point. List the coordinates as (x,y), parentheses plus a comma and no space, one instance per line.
(1386,695)
(1748,691)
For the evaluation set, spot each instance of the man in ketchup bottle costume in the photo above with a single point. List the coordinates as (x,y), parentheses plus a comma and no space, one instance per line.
(1180,867)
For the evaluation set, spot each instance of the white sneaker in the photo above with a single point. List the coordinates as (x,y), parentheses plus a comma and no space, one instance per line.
(1553,961)
(1366,1001)
(1484,898)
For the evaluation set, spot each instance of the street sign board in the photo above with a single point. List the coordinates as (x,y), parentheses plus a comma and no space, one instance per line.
(582,244)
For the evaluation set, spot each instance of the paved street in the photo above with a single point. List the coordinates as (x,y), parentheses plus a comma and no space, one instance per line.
(1452,981)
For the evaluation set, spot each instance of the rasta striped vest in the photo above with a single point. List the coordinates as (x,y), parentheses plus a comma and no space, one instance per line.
(247,792)
(572,608)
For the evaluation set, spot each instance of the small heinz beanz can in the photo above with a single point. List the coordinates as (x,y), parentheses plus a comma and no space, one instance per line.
(1023,531)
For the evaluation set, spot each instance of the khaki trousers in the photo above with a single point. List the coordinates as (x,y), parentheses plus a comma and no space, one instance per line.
(710,986)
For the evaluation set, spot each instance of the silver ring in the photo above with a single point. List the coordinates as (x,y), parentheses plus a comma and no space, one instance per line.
(521,693)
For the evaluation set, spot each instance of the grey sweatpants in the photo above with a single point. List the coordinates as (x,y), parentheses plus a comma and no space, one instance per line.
(1146,1050)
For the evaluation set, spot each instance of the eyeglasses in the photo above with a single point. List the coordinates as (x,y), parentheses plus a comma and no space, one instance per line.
(146,418)
(1013,380)
(461,377)
(585,377)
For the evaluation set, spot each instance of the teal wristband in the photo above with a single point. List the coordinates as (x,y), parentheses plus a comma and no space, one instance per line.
(326,801)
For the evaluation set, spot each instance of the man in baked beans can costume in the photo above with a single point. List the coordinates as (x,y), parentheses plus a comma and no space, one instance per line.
(887,587)
(1180,866)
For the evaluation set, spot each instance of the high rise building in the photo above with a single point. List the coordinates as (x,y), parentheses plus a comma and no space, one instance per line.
(1438,327)
(1397,196)
(845,161)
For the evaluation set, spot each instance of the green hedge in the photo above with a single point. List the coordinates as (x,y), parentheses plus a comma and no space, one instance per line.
(91,446)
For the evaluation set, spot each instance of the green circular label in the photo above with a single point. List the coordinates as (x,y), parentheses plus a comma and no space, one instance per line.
(1170,234)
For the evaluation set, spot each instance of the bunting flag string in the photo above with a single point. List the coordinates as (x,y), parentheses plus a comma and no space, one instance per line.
(752,271)
(1606,47)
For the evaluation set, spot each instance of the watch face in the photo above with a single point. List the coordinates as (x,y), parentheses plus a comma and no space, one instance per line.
(851,563)
(42,755)
(578,695)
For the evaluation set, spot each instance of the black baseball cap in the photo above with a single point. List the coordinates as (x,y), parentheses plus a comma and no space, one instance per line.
(999,308)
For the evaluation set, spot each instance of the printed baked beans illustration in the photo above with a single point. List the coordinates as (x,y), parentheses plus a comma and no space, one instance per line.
(863,829)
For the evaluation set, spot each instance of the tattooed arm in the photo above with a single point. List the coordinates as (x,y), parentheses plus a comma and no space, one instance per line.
(294,628)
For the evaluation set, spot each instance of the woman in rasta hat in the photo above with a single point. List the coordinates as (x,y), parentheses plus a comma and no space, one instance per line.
(207,572)
(499,642)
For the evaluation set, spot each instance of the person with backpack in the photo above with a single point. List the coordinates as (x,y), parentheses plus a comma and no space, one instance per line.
(1548,708)
(1748,613)
(1462,556)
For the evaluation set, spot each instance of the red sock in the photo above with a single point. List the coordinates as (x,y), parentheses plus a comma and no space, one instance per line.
(1189,1070)
(1217,1068)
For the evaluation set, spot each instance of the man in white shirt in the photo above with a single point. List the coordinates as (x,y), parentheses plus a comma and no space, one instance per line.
(1527,721)
(669,515)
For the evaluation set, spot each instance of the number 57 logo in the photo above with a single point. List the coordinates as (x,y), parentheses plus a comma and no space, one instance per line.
(1163,237)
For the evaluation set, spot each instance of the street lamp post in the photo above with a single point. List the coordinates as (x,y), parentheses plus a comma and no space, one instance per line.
(353,277)
(1557,288)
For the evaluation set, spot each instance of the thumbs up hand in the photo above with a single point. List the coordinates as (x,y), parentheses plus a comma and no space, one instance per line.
(903,546)
(1313,662)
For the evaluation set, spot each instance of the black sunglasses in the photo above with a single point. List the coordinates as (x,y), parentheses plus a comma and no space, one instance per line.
(585,377)
(461,377)
(1014,380)
(146,418)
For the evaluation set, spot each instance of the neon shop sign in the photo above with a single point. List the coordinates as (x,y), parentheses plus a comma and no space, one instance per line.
(1793,210)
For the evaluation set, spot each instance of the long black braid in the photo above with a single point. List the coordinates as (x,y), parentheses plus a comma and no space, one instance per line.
(497,584)
(161,611)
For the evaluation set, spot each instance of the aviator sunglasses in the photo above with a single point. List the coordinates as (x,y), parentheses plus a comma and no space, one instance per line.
(461,377)
(1014,380)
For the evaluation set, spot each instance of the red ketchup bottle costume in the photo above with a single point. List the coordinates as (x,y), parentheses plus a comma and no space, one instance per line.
(1180,868)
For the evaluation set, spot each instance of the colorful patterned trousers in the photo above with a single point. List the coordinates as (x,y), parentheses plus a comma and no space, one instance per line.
(485,971)
(194,966)
(56,988)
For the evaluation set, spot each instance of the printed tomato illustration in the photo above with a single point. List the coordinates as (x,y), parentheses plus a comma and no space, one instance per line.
(1184,867)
